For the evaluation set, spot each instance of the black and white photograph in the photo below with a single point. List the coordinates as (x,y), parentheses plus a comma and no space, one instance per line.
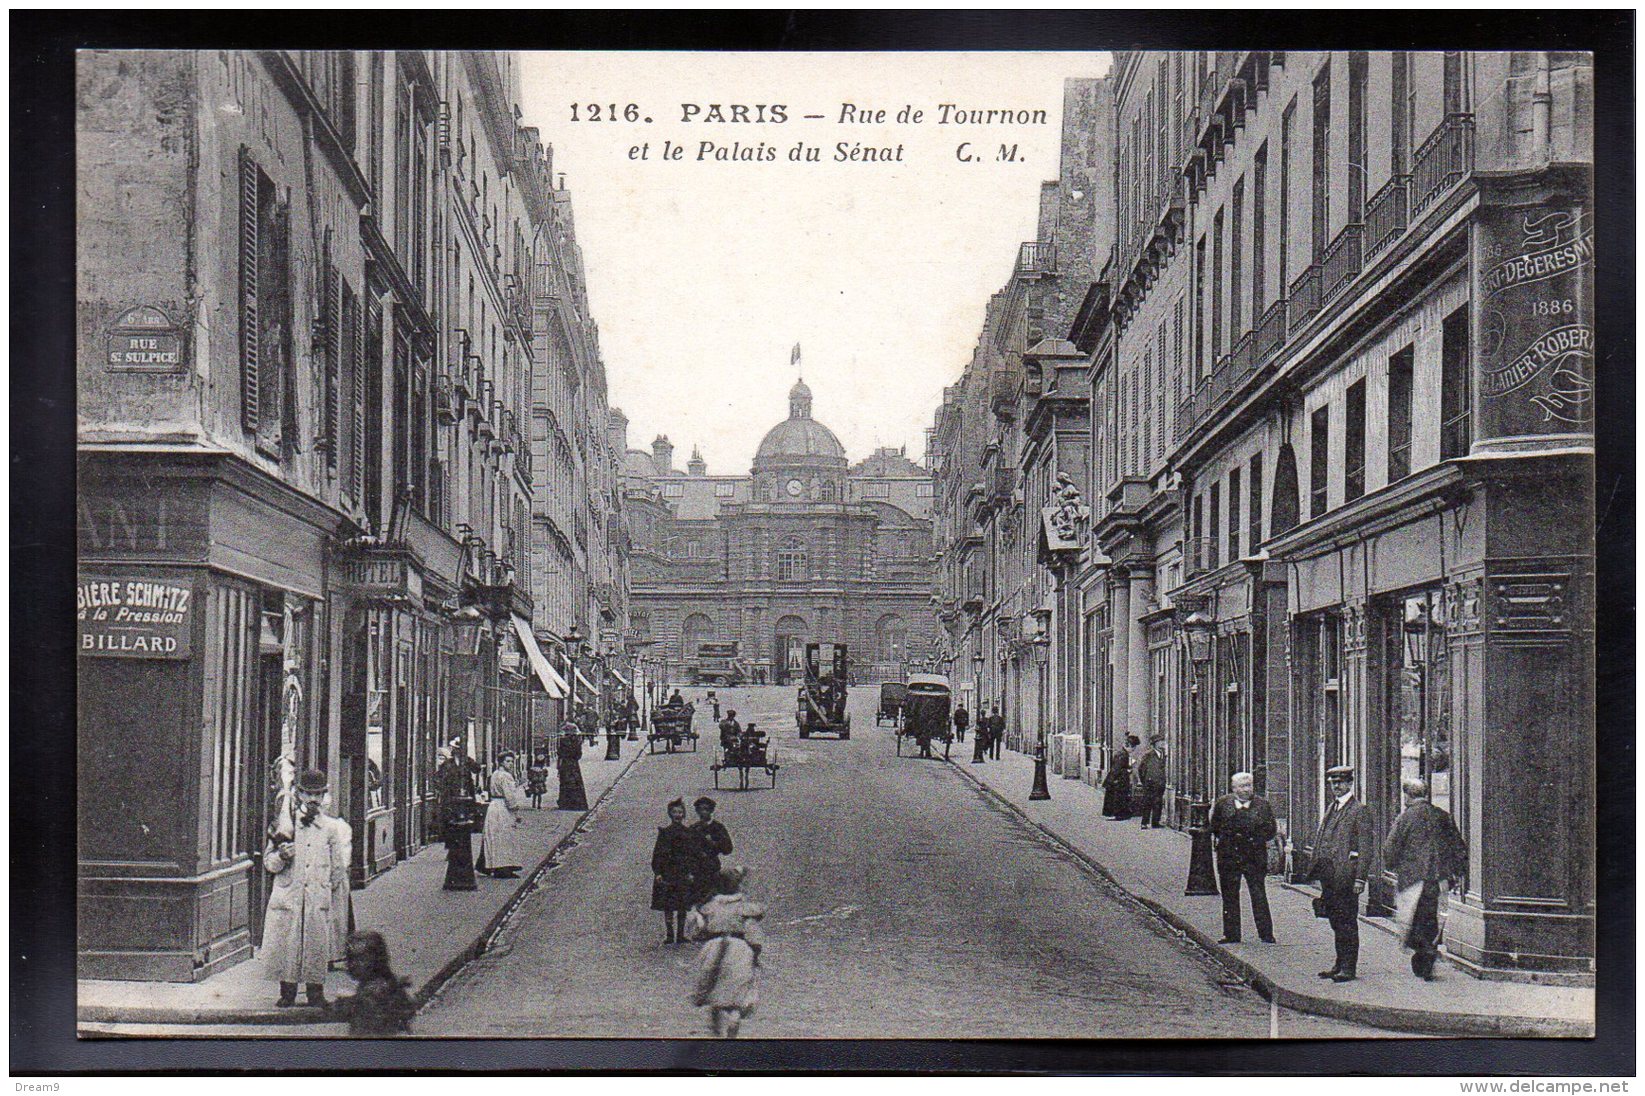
(693,545)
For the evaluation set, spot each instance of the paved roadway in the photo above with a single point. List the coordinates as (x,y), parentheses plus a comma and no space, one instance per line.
(903,903)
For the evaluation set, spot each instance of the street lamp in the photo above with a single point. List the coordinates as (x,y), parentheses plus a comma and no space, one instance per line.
(1202,876)
(1042,788)
(573,648)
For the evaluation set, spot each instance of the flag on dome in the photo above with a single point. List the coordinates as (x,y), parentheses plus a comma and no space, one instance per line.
(794,358)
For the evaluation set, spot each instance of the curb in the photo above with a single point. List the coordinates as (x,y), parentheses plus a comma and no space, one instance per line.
(303,1014)
(1421,1021)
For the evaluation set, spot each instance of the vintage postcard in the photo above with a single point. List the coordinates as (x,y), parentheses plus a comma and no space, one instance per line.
(958,546)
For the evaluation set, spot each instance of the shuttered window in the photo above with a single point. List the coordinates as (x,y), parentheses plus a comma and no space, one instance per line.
(332,343)
(250,324)
(264,308)
(355,323)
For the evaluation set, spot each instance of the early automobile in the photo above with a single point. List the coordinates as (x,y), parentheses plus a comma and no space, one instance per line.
(926,715)
(820,707)
(893,698)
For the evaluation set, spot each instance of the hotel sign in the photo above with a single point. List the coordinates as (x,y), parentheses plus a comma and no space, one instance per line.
(384,575)
(133,618)
(144,340)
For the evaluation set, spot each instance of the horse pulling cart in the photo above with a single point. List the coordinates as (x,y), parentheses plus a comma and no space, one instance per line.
(925,715)
(745,752)
(671,727)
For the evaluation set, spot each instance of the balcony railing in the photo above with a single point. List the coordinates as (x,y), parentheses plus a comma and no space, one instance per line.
(1387,214)
(448,406)
(1243,358)
(1271,331)
(1304,299)
(1341,261)
(1442,161)
(1036,257)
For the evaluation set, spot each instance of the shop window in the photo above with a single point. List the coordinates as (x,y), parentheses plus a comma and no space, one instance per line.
(1400,370)
(1319,463)
(1354,443)
(1419,692)
(1456,388)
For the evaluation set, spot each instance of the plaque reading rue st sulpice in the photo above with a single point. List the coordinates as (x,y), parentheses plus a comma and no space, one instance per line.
(144,340)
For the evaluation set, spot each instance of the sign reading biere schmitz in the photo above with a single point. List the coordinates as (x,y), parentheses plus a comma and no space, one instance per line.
(133,618)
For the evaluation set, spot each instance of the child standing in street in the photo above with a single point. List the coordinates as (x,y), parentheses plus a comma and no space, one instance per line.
(730,924)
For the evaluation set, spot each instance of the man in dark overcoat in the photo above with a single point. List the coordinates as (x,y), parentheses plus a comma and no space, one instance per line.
(1424,848)
(1150,770)
(1342,856)
(1242,823)
(962,720)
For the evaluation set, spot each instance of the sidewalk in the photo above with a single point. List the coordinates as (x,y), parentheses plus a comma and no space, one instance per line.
(1152,866)
(430,932)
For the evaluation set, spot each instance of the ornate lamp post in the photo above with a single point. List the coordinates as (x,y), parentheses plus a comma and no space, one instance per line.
(1041,645)
(573,650)
(1202,876)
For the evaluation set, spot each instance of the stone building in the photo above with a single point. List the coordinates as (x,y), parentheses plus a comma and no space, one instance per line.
(806,547)
(1341,369)
(305,370)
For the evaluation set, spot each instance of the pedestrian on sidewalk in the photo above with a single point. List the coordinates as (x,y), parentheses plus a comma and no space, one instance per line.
(1116,784)
(714,701)
(299,933)
(588,721)
(1423,849)
(979,740)
(459,816)
(996,733)
(1150,770)
(499,843)
(1342,855)
(614,731)
(1242,823)
(380,1005)
(675,859)
(569,756)
(730,923)
(715,842)
(962,720)
(537,778)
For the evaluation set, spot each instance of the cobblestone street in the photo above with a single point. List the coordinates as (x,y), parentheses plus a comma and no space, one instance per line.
(902,903)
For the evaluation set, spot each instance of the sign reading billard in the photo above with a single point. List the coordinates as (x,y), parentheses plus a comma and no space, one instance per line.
(144,340)
(133,618)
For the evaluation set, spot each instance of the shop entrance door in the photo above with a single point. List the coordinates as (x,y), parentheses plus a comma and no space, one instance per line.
(262,777)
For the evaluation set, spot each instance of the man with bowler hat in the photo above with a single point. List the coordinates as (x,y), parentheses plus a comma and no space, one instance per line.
(309,865)
(1342,856)
(1243,823)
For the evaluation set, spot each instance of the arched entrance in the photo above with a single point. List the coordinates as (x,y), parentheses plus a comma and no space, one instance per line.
(788,650)
(890,647)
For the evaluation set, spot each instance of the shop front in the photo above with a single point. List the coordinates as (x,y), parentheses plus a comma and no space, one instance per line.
(203,634)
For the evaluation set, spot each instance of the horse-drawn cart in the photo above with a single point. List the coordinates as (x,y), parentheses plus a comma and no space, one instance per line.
(893,700)
(671,728)
(744,752)
(925,716)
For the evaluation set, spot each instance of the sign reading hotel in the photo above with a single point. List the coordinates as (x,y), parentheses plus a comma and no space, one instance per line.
(133,618)
(1536,333)
(144,340)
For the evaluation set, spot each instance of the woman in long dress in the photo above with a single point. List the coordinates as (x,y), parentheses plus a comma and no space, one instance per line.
(675,860)
(730,924)
(568,755)
(499,845)
(1116,786)
(454,784)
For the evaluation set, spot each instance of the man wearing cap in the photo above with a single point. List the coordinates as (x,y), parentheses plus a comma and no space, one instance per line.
(1342,856)
(309,866)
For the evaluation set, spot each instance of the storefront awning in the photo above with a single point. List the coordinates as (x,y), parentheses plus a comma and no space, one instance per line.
(623,681)
(587,684)
(551,679)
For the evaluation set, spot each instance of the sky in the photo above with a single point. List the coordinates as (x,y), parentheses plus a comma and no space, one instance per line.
(703,274)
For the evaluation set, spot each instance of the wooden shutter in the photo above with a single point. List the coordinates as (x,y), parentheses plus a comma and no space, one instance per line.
(331,325)
(348,368)
(250,322)
(359,366)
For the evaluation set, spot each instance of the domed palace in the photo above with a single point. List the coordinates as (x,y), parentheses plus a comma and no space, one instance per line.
(806,547)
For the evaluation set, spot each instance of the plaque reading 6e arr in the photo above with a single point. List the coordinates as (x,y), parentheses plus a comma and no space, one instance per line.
(133,617)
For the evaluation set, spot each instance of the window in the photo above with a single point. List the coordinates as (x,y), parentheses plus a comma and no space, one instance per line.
(1321,209)
(1286,125)
(1217,243)
(792,565)
(1236,262)
(1400,370)
(1358,62)
(673,490)
(725,490)
(1403,105)
(1259,238)
(1201,353)
(1196,533)
(1256,503)
(1319,463)
(1456,389)
(1455,90)
(876,490)
(1214,531)
(925,490)
(1233,515)
(265,311)
(1354,443)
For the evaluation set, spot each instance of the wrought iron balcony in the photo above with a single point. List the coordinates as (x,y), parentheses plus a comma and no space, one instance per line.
(1304,299)
(1443,161)
(1341,261)
(448,405)
(1387,214)
(1271,331)
(1243,359)
(1037,257)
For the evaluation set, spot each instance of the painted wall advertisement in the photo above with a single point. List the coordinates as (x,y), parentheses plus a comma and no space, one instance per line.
(1535,321)
(133,618)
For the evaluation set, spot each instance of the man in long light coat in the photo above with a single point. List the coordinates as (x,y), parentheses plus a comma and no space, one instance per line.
(310,867)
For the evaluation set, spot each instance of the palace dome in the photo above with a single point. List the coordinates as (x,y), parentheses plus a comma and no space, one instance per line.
(799,438)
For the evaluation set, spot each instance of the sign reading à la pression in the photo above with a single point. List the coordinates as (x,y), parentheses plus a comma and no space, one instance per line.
(133,617)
